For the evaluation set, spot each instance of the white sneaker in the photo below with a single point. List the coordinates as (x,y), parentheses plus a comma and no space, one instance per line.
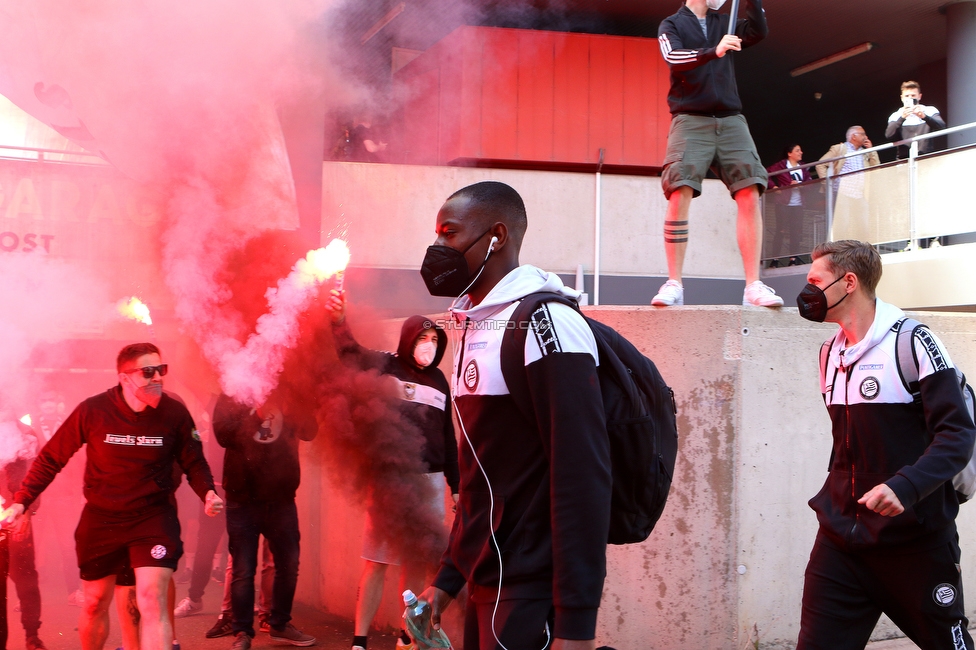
(670,293)
(758,294)
(188,606)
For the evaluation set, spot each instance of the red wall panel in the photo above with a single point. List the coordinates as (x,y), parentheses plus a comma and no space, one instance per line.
(571,98)
(535,98)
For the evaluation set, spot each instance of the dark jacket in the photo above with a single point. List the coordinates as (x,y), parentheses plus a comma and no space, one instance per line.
(429,411)
(546,508)
(261,462)
(881,436)
(783,180)
(898,130)
(130,456)
(702,83)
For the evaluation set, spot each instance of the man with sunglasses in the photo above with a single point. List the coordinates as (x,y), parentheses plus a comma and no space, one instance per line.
(134,432)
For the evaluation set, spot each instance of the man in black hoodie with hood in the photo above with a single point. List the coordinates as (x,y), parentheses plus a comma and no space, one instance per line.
(425,404)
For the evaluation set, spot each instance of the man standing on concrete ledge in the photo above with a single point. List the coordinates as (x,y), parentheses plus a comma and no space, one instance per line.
(887,540)
(708,129)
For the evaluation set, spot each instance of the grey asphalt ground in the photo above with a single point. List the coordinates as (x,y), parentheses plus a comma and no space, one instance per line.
(59,629)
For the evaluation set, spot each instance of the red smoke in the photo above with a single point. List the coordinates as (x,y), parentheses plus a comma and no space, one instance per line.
(185,98)
(364,443)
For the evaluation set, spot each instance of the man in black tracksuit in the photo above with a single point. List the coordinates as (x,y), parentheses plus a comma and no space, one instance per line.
(708,130)
(134,433)
(425,405)
(261,476)
(530,535)
(887,540)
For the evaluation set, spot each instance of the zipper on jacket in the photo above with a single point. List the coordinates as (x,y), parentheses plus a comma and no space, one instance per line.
(457,372)
(847,443)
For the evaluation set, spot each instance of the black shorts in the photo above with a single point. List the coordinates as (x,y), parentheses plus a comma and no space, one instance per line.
(107,544)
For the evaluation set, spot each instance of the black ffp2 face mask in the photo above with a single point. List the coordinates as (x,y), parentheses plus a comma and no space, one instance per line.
(445,271)
(812,301)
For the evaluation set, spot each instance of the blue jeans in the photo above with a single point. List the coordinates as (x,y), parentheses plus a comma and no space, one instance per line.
(278,522)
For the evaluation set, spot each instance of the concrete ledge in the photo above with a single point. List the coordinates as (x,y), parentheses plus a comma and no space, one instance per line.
(724,567)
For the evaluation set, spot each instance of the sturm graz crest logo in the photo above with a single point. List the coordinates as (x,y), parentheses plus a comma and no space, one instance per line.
(870,388)
(944,595)
(409,390)
(471,376)
(158,551)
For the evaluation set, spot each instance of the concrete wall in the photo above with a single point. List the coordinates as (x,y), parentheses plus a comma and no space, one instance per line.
(724,567)
(388,212)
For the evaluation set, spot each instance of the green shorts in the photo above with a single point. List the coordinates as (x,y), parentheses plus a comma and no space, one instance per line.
(697,143)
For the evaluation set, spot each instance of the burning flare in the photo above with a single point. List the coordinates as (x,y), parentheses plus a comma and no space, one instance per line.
(250,372)
(26,420)
(135,309)
(322,263)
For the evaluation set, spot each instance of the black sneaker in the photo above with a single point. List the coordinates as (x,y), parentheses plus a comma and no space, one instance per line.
(34,643)
(241,642)
(291,634)
(222,627)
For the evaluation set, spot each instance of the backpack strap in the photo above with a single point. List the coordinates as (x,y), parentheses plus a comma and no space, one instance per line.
(824,358)
(512,356)
(825,349)
(905,358)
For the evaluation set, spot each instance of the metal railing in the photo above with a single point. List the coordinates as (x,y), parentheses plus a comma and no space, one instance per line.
(48,155)
(826,189)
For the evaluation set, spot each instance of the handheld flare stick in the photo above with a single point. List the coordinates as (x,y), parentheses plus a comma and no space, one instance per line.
(733,16)
(135,309)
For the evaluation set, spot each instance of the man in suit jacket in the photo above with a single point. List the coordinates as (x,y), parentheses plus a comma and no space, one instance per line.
(856,139)
(851,209)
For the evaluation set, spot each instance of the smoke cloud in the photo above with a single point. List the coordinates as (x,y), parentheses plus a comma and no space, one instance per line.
(187,99)
(250,373)
(368,449)
(15,444)
(42,298)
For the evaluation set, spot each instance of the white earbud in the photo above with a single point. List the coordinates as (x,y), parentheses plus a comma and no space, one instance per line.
(491,244)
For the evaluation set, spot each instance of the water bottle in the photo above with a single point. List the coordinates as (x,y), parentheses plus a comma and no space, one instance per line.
(416,616)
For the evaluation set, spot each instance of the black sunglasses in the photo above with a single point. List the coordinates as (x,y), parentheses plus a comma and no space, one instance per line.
(149,371)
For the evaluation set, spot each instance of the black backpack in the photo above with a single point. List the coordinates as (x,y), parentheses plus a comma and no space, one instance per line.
(907,363)
(640,412)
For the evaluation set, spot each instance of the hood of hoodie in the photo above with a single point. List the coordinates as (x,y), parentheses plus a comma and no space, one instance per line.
(519,283)
(411,329)
(885,316)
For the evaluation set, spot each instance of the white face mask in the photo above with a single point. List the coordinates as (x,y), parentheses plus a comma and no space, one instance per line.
(715,5)
(424,353)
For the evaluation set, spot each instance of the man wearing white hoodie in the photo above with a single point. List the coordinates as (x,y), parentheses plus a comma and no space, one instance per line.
(530,535)
(887,540)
